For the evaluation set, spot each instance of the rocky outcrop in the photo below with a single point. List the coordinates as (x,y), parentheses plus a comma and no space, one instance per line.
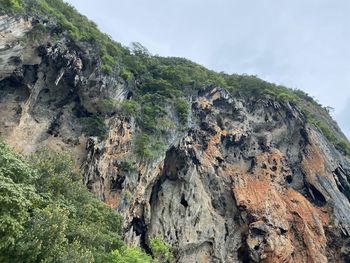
(251,182)
(248,181)
(50,87)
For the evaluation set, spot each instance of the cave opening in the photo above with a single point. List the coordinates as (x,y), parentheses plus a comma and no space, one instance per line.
(140,228)
(316,195)
(117,183)
(183,201)
(289,179)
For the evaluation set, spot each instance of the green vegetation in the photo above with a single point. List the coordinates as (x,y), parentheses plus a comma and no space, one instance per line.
(147,146)
(128,166)
(48,215)
(161,250)
(128,108)
(11,6)
(94,125)
(130,255)
(37,33)
(182,110)
(341,144)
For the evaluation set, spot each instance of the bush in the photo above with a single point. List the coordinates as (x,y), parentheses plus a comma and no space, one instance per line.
(128,166)
(14,6)
(107,69)
(129,255)
(161,250)
(37,33)
(94,126)
(143,146)
(126,74)
(128,108)
(147,146)
(182,110)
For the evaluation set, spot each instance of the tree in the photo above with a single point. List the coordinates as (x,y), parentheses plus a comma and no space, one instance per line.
(48,215)
(139,50)
(17,196)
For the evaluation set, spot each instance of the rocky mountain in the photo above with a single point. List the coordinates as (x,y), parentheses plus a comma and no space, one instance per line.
(224,168)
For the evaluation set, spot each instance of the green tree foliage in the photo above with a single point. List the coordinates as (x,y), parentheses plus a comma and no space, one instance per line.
(94,125)
(161,250)
(182,110)
(128,108)
(48,215)
(11,5)
(148,146)
(130,255)
(17,196)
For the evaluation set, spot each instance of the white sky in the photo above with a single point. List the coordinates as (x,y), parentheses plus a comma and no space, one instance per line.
(298,43)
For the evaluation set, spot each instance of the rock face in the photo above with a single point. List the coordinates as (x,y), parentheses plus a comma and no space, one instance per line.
(45,92)
(252,182)
(248,181)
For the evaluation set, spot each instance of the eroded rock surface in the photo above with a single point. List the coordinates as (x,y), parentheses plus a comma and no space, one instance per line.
(251,182)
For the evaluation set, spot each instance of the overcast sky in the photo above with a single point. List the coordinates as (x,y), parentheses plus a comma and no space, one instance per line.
(301,44)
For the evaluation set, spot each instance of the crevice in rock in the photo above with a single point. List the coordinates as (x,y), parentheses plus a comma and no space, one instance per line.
(140,228)
(252,164)
(243,250)
(209,129)
(343,181)
(257,231)
(183,201)
(305,137)
(226,232)
(78,109)
(117,183)
(55,125)
(289,179)
(316,196)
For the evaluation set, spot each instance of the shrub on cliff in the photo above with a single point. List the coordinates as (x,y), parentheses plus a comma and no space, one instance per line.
(11,5)
(94,125)
(130,255)
(161,250)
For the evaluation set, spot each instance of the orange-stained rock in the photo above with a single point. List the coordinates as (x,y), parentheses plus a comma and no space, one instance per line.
(283,225)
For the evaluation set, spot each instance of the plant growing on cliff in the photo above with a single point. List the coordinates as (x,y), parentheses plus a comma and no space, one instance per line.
(182,110)
(11,5)
(147,146)
(130,255)
(341,144)
(161,250)
(94,125)
(37,33)
(128,108)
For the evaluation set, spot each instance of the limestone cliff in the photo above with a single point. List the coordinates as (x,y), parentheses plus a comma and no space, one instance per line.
(246,179)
